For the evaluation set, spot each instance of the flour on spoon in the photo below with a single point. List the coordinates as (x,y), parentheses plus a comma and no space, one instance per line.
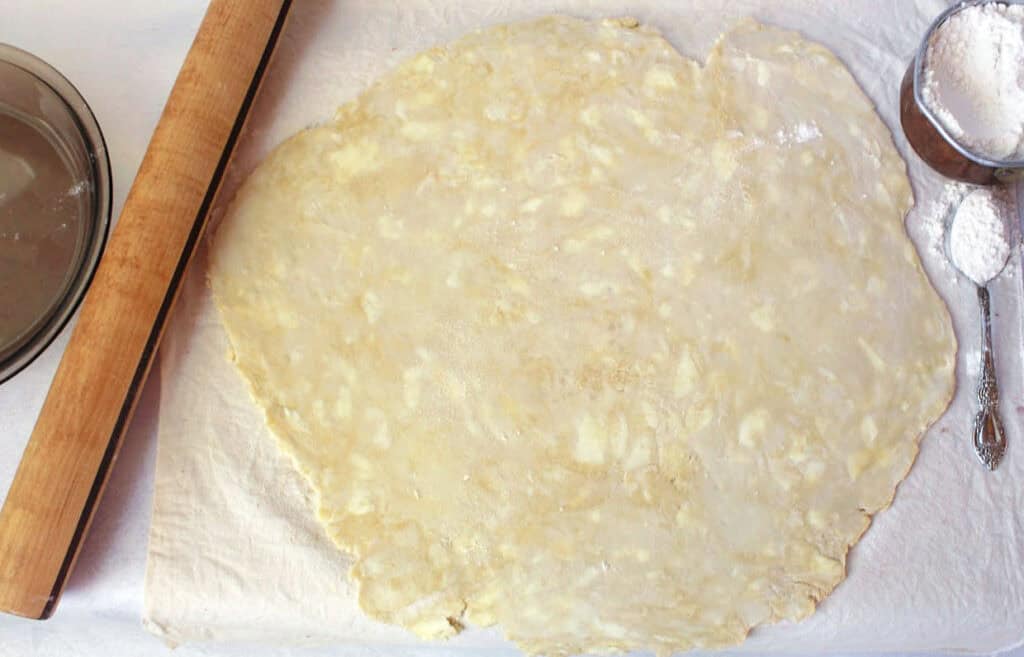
(979,241)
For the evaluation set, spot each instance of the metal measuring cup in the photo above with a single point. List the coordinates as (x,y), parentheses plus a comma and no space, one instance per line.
(926,134)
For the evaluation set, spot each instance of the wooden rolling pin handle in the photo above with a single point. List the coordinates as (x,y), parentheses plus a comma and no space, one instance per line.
(63,471)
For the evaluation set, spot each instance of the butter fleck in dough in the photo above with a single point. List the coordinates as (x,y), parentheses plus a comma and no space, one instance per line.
(565,338)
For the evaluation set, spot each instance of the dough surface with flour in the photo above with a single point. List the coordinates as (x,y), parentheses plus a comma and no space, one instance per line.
(571,334)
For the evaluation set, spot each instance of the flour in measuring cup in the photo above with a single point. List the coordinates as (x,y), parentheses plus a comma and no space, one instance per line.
(974,79)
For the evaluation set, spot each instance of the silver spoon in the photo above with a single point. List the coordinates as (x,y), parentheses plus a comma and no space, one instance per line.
(989,437)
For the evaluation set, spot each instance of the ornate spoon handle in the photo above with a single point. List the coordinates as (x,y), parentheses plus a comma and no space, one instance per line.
(989,440)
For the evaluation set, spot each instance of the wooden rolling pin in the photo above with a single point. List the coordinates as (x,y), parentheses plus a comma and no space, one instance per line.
(90,403)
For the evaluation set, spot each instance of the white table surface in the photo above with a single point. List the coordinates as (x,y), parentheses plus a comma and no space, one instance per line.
(123,57)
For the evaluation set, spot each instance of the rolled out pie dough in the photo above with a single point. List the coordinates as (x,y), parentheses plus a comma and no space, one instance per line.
(571,334)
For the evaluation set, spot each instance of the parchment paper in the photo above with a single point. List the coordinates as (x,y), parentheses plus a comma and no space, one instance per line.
(234,552)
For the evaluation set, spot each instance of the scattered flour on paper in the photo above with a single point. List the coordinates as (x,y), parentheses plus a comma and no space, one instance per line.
(935,215)
(974,79)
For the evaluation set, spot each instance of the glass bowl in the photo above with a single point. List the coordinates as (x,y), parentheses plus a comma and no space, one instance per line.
(55,190)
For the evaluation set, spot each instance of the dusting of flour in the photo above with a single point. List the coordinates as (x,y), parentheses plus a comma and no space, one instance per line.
(974,79)
(800,133)
(934,217)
